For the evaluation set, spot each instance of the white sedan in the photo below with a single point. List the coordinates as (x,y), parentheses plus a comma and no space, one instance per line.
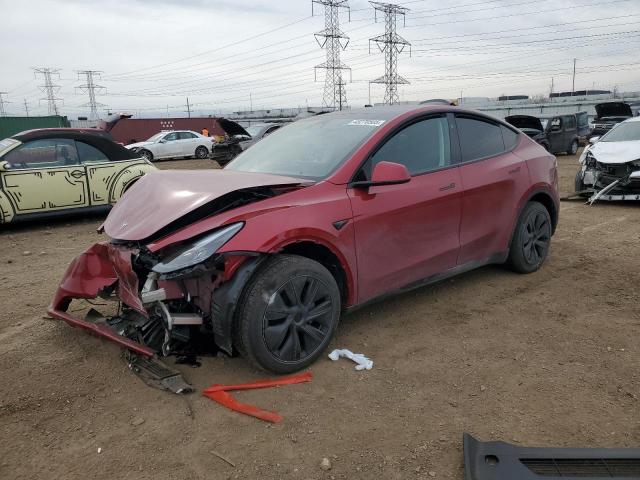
(174,144)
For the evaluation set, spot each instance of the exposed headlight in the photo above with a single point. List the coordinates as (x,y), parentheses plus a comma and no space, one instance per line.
(199,251)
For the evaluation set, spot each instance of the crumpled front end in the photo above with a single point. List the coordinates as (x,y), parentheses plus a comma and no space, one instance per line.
(157,310)
(610,181)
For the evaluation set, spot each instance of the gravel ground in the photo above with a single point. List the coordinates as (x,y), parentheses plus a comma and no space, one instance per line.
(545,359)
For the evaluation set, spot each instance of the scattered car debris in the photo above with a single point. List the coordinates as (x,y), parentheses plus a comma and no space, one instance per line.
(325,464)
(504,461)
(223,458)
(363,362)
(219,393)
(156,374)
(610,166)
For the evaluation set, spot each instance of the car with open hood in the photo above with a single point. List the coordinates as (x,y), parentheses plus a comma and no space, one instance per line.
(257,132)
(608,115)
(532,127)
(610,165)
(61,171)
(327,214)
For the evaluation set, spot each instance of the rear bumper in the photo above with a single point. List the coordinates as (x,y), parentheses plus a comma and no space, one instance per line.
(101,269)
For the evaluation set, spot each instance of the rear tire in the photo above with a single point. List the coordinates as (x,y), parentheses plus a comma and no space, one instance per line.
(573,148)
(287,315)
(531,239)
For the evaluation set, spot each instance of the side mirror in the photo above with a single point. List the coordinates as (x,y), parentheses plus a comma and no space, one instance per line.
(4,166)
(386,173)
(593,140)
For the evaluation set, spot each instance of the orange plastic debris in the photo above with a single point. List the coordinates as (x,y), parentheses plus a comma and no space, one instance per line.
(219,393)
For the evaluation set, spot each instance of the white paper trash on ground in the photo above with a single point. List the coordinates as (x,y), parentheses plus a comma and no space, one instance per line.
(363,363)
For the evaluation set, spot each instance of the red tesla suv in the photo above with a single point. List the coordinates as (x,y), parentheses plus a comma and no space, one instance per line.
(326,214)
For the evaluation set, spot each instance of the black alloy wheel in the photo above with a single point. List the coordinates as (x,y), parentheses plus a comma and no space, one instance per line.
(287,314)
(298,318)
(536,238)
(531,239)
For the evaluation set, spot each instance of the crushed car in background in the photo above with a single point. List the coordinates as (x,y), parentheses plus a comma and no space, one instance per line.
(610,166)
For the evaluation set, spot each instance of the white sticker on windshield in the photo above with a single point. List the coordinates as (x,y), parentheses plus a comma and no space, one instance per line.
(366,123)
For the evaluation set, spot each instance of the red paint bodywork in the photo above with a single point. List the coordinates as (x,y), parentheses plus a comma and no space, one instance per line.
(395,235)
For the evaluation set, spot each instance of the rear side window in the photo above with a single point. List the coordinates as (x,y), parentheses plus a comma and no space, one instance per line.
(421,147)
(186,136)
(570,122)
(510,137)
(90,154)
(479,138)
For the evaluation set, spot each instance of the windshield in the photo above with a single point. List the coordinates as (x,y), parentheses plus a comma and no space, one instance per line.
(253,131)
(310,148)
(155,137)
(623,132)
(7,144)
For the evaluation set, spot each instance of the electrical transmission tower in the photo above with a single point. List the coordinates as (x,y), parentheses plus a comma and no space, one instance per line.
(391,44)
(333,40)
(49,88)
(3,112)
(90,88)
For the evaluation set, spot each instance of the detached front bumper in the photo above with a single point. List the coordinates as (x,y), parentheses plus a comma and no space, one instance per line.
(101,270)
(614,183)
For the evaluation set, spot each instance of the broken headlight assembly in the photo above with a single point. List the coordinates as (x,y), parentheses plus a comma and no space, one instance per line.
(199,251)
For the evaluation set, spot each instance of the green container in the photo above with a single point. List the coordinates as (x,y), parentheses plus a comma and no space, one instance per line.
(11,125)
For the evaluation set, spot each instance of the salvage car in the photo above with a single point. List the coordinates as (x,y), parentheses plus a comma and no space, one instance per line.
(328,214)
(610,166)
(531,126)
(50,172)
(257,132)
(173,144)
(608,115)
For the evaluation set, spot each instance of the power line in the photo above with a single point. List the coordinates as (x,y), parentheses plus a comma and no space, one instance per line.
(334,40)
(49,88)
(90,88)
(391,44)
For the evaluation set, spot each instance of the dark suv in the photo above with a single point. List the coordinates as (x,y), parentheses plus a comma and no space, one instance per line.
(562,134)
(608,115)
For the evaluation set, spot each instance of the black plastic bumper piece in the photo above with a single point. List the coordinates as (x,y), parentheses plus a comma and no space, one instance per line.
(503,461)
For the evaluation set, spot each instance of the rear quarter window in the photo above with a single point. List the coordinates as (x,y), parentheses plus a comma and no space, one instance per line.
(509,137)
(479,138)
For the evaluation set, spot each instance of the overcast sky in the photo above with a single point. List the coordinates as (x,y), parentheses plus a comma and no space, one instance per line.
(155,54)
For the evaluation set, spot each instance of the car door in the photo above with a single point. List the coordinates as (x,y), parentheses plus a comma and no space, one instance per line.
(169,146)
(100,171)
(188,144)
(408,232)
(45,175)
(493,182)
(555,134)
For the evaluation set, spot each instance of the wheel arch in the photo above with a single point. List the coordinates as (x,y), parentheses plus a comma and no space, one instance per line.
(325,257)
(125,178)
(6,209)
(545,198)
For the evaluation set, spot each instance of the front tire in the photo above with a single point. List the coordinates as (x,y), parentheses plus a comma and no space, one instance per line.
(146,154)
(531,239)
(288,314)
(573,148)
(202,152)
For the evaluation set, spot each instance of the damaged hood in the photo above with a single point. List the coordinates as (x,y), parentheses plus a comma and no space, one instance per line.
(162,197)
(232,128)
(525,122)
(613,109)
(616,152)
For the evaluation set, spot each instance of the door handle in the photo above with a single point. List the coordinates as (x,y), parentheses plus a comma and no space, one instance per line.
(448,187)
(515,170)
(77,173)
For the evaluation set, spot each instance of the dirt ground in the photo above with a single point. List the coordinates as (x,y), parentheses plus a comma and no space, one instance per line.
(547,359)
